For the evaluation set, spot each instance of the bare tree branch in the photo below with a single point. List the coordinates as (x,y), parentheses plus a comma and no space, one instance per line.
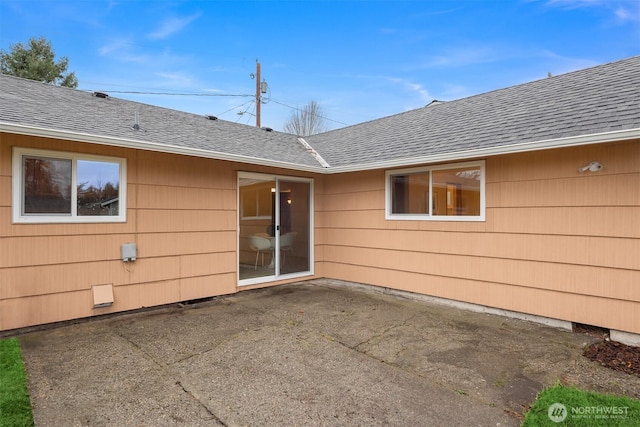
(306,121)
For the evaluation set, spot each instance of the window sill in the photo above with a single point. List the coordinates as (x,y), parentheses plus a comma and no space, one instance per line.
(435,218)
(67,220)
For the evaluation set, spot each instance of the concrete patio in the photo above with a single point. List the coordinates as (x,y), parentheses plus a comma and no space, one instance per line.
(312,353)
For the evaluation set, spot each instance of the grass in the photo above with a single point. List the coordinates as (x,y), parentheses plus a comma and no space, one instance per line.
(15,406)
(568,406)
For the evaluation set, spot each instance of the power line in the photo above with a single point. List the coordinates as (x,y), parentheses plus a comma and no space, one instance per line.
(322,117)
(135,92)
(236,107)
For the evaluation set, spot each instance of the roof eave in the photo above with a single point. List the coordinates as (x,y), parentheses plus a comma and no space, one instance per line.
(572,141)
(598,138)
(21,129)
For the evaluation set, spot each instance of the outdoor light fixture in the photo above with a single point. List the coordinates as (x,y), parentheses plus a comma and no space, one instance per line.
(591,167)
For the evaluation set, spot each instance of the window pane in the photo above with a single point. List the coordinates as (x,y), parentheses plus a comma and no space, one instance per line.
(295,226)
(265,201)
(456,192)
(98,188)
(47,186)
(249,204)
(256,199)
(256,251)
(409,193)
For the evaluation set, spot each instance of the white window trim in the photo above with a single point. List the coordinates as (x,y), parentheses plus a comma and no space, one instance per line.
(18,190)
(427,217)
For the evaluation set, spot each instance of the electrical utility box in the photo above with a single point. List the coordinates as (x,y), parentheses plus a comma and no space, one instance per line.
(129,252)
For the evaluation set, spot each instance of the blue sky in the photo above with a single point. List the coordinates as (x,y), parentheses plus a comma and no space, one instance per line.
(360,60)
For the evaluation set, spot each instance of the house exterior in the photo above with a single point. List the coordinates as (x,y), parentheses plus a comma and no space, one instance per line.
(524,199)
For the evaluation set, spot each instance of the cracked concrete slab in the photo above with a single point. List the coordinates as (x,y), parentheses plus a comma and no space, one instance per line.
(311,353)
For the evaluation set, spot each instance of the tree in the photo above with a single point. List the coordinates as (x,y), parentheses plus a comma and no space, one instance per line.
(37,62)
(306,121)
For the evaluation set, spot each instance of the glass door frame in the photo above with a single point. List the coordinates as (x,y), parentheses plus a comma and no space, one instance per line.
(276,253)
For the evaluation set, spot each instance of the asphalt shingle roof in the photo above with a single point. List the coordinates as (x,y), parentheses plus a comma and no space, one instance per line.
(590,101)
(63,109)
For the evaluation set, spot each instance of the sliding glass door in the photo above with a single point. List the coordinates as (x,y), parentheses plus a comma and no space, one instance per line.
(275,227)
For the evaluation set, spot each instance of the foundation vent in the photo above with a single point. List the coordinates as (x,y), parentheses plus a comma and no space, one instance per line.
(102,295)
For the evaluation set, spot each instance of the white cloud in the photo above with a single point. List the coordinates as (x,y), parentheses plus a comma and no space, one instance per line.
(175,79)
(623,11)
(455,91)
(415,88)
(573,4)
(114,46)
(376,84)
(625,15)
(560,64)
(173,25)
(462,56)
(121,50)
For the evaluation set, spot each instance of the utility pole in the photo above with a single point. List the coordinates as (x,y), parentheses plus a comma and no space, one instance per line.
(261,87)
(258,95)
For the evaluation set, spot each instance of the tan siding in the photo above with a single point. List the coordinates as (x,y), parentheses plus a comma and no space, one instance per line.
(5,193)
(354,182)
(59,306)
(48,279)
(41,280)
(621,221)
(556,242)
(590,190)
(61,249)
(597,251)
(207,264)
(169,170)
(16,313)
(5,154)
(38,230)
(150,221)
(163,197)
(181,213)
(369,200)
(175,244)
(374,219)
(618,158)
(130,297)
(206,286)
(595,281)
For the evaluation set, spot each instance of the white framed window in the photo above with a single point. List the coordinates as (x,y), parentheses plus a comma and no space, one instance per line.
(60,187)
(452,192)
